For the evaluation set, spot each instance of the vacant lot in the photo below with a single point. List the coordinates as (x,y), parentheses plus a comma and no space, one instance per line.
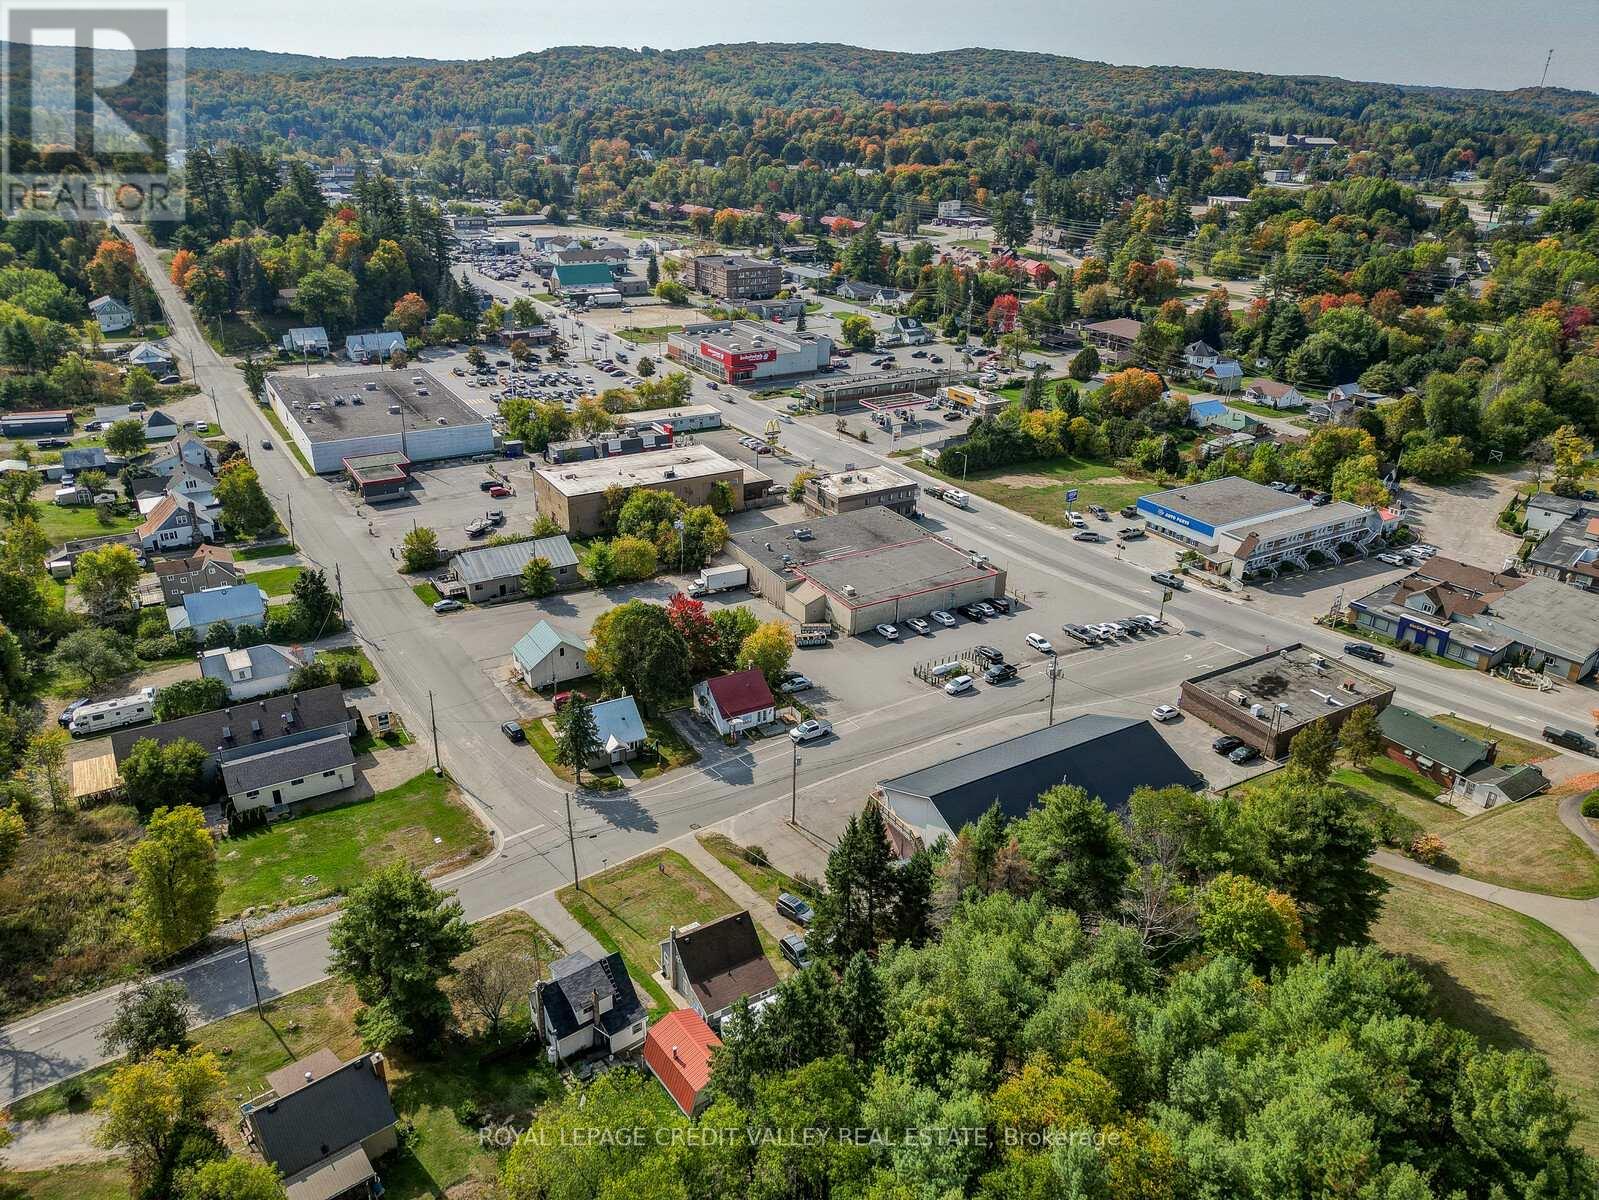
(1383,781)
(275,581)
(59,524)
(1508,979)
(340,654)
(1038,490)
(761,876)
(1513,750)
(1525,846)
(326,852)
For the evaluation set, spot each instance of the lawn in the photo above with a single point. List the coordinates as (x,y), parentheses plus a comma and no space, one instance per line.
(1508,979)
(365,743)
(426,593)
(286,441)
(633,906)
(276,581)
(647,335)
(1513,750)
(1014,391)
(1038,490)
(1527,847)
(80,1181)
(761,877)
(269,550)
(60,524)
(1383,781)
(331,851)
(338,654)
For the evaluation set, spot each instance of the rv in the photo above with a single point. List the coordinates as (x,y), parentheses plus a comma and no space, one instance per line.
(106,715)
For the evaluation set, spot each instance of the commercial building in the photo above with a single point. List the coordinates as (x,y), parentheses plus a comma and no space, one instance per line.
(1241,528)
(1266,700)
(495,572)
(573,494)
(40,422)
(688,418)
(861,569)
(830,393)
(1108,757)
(379,478)
(608,445)
(321,1125)
(745,351)
(351,415)
(1113,339)
(1440,752)
(736,276)
(869,487)
(1568,551)
(974,401)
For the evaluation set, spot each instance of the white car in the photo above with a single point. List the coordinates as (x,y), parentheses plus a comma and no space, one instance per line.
(1076,518)
(1040,643)
(809,731)
(888,632)
(795,683)
(447,605)
(1149,619)
(942,617)
(1164,712)
(1107,630)
(1393,560)
(961,683)
(919,626)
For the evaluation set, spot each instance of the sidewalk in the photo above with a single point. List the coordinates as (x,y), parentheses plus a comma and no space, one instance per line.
(561,925)
(743,895)
(1575,920)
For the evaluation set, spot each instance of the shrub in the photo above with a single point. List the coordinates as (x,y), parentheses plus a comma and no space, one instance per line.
(1590,805)
(348,673)
(1428,849)
(1393,828)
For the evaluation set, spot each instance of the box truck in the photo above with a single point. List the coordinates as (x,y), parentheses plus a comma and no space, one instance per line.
(719,579)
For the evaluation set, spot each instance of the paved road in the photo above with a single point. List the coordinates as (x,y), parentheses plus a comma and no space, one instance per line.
(526,808)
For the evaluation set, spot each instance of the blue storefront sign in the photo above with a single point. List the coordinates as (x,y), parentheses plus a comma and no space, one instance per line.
(1150,509)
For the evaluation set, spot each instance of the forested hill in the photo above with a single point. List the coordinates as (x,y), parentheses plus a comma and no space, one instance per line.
(323,105)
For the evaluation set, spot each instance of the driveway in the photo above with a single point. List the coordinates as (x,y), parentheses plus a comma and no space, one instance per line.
(1459,518)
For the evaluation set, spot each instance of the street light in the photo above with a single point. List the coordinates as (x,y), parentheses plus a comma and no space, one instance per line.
(793,787)
(679,526)
(1054,675)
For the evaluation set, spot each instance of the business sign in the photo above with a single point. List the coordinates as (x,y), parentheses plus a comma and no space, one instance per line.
(1150,509)
(737,358)
(1071,495)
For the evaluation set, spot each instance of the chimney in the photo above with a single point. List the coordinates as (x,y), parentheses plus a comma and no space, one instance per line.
(379,1067)
(676,1057)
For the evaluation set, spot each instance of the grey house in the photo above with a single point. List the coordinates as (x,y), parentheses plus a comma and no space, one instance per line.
(495,572)
(322,1123)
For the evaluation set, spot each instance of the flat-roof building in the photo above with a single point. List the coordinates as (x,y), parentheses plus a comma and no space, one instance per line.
(850,491)
(379,477)
(742,351)
(860,569)
(1266,700)
(737,276)
(356,414)
(574,493)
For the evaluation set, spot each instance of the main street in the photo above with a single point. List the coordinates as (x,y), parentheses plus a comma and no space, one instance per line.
(425,677)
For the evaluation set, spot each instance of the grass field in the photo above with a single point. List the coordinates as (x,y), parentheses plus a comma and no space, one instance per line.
(647,335)
(1038,490)
(60,524)
(275,581)
(761,877)
(1513,750)
(365,743)
(270,550)
(1383,781)
(80,1181)
(1525,846)
(426,593)
(1508,979)
(332,851)
(338,654)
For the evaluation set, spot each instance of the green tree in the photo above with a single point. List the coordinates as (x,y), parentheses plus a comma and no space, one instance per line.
(16,496)
(635,647)
(157,776)
(1077,849)
(861,1000)
(316,601)
(106,579)
(1013,221)
(646,366)
(175,883)
(231,1179)
(189,696)
(633,558)
(599,564)
(244,501)
(1312,750)
(419,549)
(1084,365)
(96,655)
(13,832)
(396,939)
(326,297)
(768,650)
(139,387)
(577,737)
(1360,737)
(856,910)
(45,761)
(857,331)
(151,1105)
(538,577)
(1238,916)
(729,627)
(150,1016)
(254,377)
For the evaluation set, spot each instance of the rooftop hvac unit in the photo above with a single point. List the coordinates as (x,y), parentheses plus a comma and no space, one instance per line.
(849,589)
(441,421)
(421,391)
(371,385)
(670,473)
(1258,711)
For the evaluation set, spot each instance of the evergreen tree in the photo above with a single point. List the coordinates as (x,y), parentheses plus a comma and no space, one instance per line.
(857,909)
(577,737)
(860,1008)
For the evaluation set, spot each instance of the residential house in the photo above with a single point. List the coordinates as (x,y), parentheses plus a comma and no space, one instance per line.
(621,731)
(545,657)
(158,427)
(1494,785)
(736,702)
(254,670)
(1546,511)
(276,778)
(589,1005)
(152,356)
(111,314)
(868,293)
(207,567)
(1114,339)
(1199,355)
(373,347)
(714,964)
(174,523)
(109,414)
(1274,394)
(1217,414)
(185,449)
(238,604)
(678,1050)
(1355,394)
(1429,748)
(1329,411)
(1225,376)
(323,1123)
(1108,757)
(306,340)
(92,458)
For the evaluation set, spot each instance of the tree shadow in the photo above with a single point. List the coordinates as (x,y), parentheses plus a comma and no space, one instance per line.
(1457,1004)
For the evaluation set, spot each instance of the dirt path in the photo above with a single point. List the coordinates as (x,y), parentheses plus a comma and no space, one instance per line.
(55,1142)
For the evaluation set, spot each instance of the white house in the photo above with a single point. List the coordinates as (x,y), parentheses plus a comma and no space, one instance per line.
(736,702)
(1199,355)
(1273,394)
(111,314)
(150,355)
(589,1005)
(307,339)
(254,670)
(185,449)
(372,347)
(282,776)
(175,524)
(621,730)
(545,657)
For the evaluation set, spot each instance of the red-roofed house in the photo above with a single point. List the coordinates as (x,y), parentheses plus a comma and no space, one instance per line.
(733,703)
(842,225)
(677,1051)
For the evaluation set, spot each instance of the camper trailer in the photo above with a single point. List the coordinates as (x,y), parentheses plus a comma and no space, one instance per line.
(105,715)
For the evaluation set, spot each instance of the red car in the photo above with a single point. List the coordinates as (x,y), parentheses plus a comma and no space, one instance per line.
(499,491)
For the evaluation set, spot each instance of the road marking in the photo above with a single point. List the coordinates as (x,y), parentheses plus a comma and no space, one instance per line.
(530,829)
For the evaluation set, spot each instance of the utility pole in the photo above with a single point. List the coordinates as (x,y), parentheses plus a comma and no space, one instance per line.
(290,498)
(338,584)
(793,789)
(438,768)
(571,840)
(249,958)
(1054,675)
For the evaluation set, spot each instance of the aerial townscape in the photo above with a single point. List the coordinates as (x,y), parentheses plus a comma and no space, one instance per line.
(784,620)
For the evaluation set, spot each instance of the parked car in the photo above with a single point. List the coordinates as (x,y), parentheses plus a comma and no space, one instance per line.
(65,719)
(942,617)
(1164,712)
(888,632)
(972,613)
(1570,739)
(560,700)
(795,908)
(1130,511)
(484,485)
(1167,579)
(1076,518)
(989,655)
(1086,535)
(266,443)
(999,602)
(1226,744)
(1080,633)
(809,731)
(499,491)
(920,626)
(1243,754)
(961,683)
(795,683)
(1130,534)
(514,732)
(1040,643)
(1099,511)
(999,672)
(1366,651)
(792,947)
(987,609)
(1393,560)
(447,605)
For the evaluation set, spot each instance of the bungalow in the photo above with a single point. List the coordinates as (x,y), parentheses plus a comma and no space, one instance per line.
(275,779)
(321,1123)
(1215,414)
(175,523)
(545,657)
(1488,786)
(868,293)
(1354,394)
(678,1050)
(207,567)
(240,604)
(715,964)
(373,347)
(1432,749)
(254,670)
(93,458)
(151,355)
(158,427)
(111,314)
(1225,376)
(621,731)
(588,1005)
(1273,394)
(307,339)
(736,702)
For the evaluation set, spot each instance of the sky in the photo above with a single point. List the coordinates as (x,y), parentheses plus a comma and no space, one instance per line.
(1469,43)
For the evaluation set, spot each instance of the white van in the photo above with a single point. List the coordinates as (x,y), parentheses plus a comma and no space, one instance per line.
(105,715)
